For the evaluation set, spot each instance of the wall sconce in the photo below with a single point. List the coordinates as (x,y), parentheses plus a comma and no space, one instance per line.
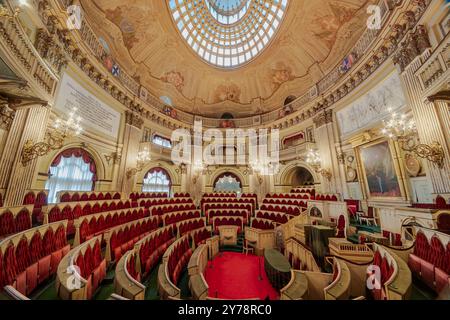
(314,160)
(55,137)
(404,131)
(143,158)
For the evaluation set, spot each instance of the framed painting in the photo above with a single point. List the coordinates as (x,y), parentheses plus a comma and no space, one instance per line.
(380,171)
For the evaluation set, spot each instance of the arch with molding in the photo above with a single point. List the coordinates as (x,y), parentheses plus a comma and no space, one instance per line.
(169,168)
(98,159)
(286,174)
(219,172)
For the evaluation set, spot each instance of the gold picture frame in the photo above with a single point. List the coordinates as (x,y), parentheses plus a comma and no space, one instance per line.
(381,175)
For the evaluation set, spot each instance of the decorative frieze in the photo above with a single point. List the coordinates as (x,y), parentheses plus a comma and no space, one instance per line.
(413,46)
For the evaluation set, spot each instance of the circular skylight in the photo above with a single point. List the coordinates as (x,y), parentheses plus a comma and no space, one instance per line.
(227,33)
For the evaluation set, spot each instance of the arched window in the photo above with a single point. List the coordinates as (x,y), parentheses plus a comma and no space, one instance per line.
(157,180)
(161,141)
(228,182)
(72,170)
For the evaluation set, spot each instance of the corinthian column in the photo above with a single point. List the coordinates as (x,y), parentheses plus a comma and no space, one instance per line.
(325,140)
(131,143)
(432,119)
(29,124)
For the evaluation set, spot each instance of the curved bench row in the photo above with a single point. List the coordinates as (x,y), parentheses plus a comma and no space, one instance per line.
(75,196)
(396,280)
(175,260)
(196,269)
(93,225)
(123,238)
(163,201)
(212,213)
(277,217)
(31,257)
(179,216)
(262,224)
(146,195)
(37,198)
(81,271)
(292,210)
(161,210)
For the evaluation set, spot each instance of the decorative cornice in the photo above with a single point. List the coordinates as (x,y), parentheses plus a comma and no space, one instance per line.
(133,119)
(323,118)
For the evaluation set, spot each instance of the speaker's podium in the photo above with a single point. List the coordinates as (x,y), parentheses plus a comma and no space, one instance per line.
(228,235)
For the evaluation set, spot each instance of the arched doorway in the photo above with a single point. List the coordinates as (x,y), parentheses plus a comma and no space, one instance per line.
(302,177)
(72,170)
(157,180)
(228,182)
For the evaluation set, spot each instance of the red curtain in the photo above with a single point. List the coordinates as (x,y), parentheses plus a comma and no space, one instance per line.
(78,153)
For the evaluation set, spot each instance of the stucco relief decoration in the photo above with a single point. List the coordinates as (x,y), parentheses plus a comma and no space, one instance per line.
(227,93)
(281,74)
(329,24)
(174,78)
(117,16)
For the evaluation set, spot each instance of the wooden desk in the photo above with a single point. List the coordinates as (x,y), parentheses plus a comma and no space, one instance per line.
(228,235)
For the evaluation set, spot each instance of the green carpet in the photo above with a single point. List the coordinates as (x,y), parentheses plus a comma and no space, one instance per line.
(151,283)
(184,285)
(420,291)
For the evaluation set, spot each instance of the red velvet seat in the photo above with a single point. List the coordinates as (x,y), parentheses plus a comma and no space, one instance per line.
(44,268)
(414,264)
(427,273)
(21,283)
(32,277)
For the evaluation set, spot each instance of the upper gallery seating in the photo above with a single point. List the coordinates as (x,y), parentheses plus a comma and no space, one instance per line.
(75,210)
(15,219)
(75,196)
(124,237)
(430,260)
(86,263)
(29,258)
(94,225)
(37,198)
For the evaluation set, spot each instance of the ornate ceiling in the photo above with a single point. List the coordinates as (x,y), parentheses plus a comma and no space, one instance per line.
(311,38)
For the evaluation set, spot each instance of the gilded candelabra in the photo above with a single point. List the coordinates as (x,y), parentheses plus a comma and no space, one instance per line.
(314,160)
(143,158)
(403,130)
(55,137)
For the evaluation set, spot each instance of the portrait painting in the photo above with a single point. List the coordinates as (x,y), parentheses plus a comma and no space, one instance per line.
(382,180)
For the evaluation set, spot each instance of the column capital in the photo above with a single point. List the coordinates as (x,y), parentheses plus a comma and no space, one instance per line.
(133,119)
(323,118)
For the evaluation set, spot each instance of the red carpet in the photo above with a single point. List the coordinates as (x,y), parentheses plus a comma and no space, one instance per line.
(235,276)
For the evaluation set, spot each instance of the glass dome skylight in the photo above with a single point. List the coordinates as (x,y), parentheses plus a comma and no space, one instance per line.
(227,33)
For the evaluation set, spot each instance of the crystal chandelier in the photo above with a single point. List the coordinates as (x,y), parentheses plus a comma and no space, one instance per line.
(403,130)
(143,157)
(313,159)
(59,131)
